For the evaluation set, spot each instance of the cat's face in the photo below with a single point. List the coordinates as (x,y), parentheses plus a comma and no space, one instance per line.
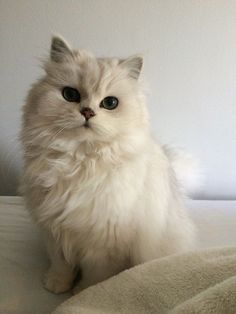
(94,99)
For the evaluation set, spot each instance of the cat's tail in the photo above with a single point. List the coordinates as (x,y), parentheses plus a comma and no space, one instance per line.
(187,170)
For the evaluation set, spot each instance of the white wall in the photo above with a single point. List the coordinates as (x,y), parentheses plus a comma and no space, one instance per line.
(190,54)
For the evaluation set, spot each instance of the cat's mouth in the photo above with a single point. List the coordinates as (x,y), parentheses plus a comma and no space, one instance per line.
(86,125)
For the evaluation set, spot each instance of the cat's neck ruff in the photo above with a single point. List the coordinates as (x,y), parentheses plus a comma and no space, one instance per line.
(127,146)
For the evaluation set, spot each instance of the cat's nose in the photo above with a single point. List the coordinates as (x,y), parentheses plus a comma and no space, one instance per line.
(87,113)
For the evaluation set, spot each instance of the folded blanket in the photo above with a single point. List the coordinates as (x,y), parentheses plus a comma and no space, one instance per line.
(198,282)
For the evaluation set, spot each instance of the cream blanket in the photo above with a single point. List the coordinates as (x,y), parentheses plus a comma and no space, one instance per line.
(200,282)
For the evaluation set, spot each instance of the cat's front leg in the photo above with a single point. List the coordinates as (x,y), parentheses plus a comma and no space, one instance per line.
(60,276)
(95,271)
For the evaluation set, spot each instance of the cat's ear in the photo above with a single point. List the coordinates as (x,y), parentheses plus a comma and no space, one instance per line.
(133,65)
(60,50)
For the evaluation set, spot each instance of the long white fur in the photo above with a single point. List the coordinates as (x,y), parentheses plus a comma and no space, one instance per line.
(187,169)
(106,197)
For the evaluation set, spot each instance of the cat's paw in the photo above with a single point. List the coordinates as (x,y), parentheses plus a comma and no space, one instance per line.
(54,283)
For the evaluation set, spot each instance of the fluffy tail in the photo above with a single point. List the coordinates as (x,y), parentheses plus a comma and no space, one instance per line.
(187,169)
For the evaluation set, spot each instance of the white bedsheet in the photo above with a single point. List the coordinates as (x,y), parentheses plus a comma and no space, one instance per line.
(23,258)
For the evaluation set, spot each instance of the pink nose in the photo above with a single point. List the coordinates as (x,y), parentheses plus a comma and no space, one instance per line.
(87,113)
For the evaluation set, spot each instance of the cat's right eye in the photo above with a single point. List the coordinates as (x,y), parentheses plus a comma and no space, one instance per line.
(71,94)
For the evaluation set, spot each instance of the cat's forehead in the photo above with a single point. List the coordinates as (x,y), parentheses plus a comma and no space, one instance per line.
(91,73)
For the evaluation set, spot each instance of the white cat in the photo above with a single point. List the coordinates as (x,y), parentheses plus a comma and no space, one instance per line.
(104,193)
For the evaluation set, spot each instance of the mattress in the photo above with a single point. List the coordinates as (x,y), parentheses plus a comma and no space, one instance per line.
(23,258)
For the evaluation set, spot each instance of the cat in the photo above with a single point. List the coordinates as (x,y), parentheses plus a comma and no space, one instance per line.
(104,193)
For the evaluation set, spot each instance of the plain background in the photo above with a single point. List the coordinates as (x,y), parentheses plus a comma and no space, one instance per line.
(190,65)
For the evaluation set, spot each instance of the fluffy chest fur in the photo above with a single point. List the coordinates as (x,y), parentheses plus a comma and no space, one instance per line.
(89,198)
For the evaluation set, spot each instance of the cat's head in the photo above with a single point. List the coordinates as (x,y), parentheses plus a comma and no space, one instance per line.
(96,99)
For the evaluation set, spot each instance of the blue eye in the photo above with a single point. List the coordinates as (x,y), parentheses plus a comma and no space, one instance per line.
(109,103)
(71,94)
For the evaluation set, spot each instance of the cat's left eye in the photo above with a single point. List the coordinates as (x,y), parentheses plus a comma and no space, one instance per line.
(71,94)
(109,103)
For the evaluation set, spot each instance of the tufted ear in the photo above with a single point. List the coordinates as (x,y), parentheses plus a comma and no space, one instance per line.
(60,50)
(133,65)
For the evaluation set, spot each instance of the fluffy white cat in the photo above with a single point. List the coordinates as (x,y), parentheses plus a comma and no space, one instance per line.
(104,193)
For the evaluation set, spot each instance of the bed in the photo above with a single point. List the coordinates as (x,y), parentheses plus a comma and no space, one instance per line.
(23,258)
